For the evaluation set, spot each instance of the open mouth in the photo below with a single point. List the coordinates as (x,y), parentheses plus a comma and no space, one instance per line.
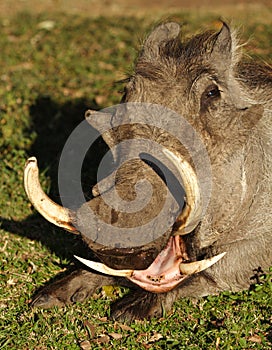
(170,266)
(167,271)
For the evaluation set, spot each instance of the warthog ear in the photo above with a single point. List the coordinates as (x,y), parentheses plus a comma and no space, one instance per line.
(161,34)
(223,53)
(223,42)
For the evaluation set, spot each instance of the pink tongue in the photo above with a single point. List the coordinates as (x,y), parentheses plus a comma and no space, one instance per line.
(163,274)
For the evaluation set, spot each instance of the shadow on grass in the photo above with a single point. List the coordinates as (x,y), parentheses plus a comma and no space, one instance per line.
(53,123)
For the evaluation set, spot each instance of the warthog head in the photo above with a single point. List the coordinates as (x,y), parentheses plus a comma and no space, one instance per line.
(185,98)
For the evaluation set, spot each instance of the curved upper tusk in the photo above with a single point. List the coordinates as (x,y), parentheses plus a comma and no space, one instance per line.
(191,214)
(99,267)
(50,210)
(197,266)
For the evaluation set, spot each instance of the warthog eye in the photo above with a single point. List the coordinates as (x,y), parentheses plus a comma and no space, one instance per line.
(210,95)
(212,91)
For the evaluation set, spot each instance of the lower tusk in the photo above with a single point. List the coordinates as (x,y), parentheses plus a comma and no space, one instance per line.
(197,266)
(50,210)
(99,267)
(185,268)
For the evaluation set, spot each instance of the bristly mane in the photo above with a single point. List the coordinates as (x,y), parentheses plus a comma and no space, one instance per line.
(175,52)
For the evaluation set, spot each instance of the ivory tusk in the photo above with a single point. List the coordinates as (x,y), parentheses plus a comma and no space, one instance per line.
(50,210)
(197,266)
(99,267)
(185,268)
(191,215)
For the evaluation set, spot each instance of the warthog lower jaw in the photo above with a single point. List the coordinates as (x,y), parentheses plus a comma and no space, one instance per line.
(167,271)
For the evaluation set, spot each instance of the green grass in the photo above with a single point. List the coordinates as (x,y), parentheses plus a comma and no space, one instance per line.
(48,78)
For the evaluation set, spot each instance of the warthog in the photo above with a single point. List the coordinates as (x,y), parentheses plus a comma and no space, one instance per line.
(227,102)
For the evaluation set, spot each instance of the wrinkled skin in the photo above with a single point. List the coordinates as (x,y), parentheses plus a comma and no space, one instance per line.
(228,102)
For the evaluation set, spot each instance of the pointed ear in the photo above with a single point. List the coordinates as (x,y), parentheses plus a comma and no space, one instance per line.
(161,34)
(223,46)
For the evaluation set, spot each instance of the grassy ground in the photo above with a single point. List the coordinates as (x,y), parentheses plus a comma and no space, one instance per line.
(52,68)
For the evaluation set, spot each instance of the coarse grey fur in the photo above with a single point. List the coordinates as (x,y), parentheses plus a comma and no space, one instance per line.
(228,101)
